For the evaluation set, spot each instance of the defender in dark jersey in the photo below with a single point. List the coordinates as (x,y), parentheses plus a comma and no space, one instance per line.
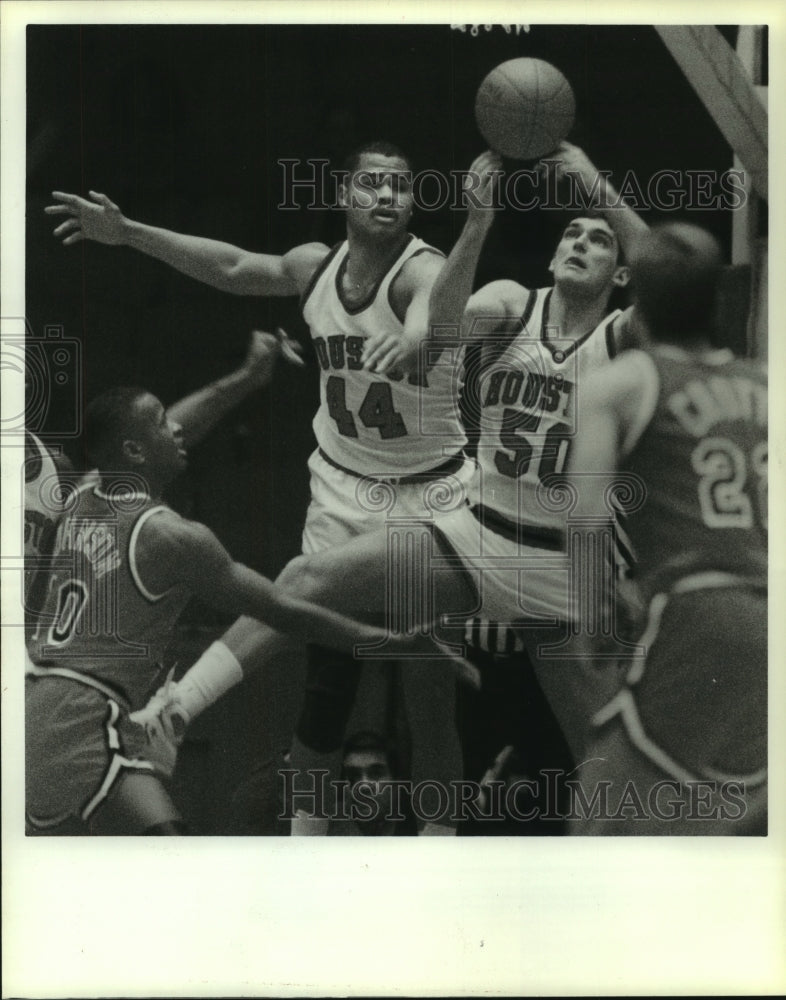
(124,566)
(681,747)
(379,419)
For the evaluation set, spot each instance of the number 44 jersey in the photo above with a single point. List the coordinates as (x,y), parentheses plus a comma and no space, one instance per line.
(701,452)
(99,618)
(377,425)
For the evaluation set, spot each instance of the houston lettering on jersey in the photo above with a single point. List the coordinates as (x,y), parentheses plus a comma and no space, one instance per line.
(340,352)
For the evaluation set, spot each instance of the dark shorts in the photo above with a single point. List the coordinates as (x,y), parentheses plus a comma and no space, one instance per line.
(685,739)
(78,744)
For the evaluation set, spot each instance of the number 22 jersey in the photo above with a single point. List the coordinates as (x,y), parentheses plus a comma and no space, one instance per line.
(376,425)
(702,456)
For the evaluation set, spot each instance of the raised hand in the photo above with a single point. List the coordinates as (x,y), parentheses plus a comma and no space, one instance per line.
(264,349)
(100,219)
(480,187)
(570,159)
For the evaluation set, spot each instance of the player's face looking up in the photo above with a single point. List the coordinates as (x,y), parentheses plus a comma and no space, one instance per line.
(157,440)
(586,258)
(377,195)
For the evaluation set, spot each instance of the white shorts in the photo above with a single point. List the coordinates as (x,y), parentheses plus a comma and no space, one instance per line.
(515,583)
(344,505)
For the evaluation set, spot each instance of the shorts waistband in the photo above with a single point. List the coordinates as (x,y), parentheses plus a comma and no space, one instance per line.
(451,465)
(42,670)
(522,534)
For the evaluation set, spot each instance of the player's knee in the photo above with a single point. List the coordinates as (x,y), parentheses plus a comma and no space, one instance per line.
(299,577)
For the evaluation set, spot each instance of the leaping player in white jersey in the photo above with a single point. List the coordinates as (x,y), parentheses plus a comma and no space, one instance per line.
(501,554)
(382,418)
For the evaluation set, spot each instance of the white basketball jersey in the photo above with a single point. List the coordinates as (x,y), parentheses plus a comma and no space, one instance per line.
(372,424)
(42,506)
(529,390)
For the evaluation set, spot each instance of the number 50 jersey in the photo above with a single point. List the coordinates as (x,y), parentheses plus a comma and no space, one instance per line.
(377,425)
(527,392)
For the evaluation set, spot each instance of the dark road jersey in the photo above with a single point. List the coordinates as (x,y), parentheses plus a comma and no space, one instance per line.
(98,617)
(703,460)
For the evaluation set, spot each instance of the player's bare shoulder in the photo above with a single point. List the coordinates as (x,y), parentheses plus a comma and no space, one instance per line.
(170,550)
(415,277)
(300,263)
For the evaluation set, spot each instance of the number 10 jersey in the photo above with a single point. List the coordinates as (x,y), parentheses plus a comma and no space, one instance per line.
(377,425)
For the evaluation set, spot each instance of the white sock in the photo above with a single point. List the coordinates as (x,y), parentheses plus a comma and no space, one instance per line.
(214,673)
(308,788)
(304,825)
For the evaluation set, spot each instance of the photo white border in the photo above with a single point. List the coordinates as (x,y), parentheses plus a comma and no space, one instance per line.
(290,917)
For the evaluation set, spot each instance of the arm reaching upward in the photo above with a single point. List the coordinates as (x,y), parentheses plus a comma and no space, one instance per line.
(200,411)
(221,265)
(597,190)
(453,287)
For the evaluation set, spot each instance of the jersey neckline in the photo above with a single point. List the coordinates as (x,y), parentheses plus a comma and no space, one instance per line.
(364,303)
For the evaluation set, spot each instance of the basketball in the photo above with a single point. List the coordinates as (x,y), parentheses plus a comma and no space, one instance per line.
(524,108)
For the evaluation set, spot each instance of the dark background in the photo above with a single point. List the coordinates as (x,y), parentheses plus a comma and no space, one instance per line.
(183,127)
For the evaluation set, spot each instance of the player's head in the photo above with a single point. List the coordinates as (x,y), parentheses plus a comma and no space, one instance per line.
(366,758)
(675,269)
(376,192)
(127,429)
(588,262)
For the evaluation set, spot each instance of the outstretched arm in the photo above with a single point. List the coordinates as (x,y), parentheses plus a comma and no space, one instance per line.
(594,188)
(221,265)
(410,298)
(172,551)
(199,412)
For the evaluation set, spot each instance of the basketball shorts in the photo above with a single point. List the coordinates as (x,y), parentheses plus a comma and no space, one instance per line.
(78,744)
(344,505)
(515,583)
(692,714)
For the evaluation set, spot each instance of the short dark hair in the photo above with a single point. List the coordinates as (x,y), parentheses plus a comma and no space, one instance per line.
(674,273)
(380,146)
(107,421)
(368,741)
(595,213)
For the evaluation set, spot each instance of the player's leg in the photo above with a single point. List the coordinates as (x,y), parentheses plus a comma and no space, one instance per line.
(137,804)
(430,706)
(683,745)
(362,579)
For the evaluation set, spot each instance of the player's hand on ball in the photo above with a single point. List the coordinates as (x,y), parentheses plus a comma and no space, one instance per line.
(570,159)
(99,219)
(480,186)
